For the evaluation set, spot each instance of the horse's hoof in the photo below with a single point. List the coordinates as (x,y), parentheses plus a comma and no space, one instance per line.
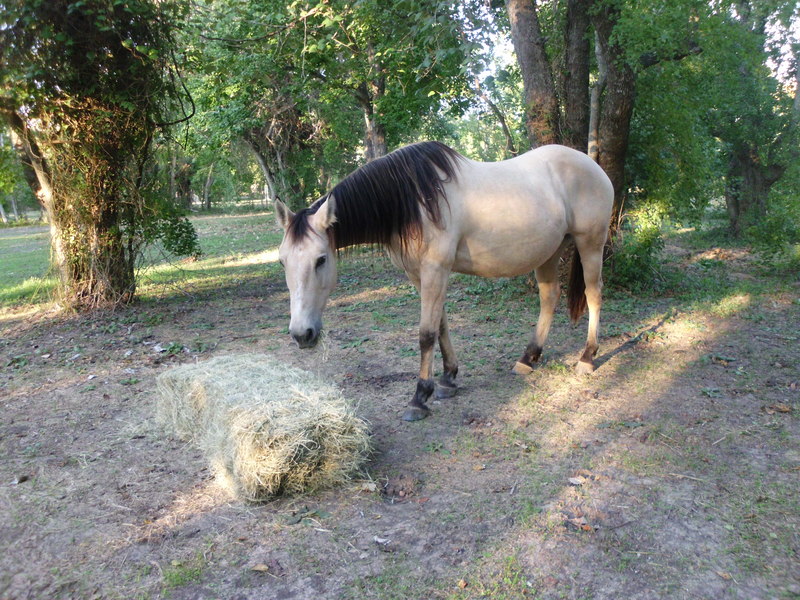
(445,391)
(415,413)
(584,368)
(521,368)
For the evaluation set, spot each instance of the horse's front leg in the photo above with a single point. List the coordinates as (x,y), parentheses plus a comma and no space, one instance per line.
(432,289)
(446,387)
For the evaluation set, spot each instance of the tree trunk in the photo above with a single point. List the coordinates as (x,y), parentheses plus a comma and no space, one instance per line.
(173,173)
(747,188)
(375,136)
(576,76)
(511,148)
(36,161)
(3,216)
(617,108)
(27,169)
(594,102)
(270,190)
(374,130)
(207,187)
(541,103)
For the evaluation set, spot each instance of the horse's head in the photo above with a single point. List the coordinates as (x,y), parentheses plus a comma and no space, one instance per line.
(309,261)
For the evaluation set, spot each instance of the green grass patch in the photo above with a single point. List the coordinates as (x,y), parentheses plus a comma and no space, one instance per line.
(25,264)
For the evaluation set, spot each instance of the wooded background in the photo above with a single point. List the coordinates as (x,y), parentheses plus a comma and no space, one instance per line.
(121,116)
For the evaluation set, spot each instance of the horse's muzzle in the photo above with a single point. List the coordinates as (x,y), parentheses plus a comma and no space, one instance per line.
(307,339)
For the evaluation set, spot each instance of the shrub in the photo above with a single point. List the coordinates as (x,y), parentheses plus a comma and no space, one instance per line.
(635,262)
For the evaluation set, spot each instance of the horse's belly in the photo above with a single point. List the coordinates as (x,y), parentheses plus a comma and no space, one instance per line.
(506,256)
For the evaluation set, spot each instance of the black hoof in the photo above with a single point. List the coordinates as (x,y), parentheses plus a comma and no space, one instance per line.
(445,391)
(415,413)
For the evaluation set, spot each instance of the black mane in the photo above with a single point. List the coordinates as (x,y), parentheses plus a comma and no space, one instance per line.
(382,199)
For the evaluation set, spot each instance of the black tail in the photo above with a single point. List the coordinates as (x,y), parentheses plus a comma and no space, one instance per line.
(576,296)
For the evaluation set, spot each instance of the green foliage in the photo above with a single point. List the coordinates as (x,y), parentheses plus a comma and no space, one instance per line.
(777,234)
(712,119)
(86,84)
(295,83)
(636,262)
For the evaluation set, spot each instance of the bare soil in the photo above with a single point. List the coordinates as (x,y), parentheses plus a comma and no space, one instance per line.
(671,472)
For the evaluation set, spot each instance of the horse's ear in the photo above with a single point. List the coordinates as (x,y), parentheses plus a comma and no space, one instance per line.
(326,214)
(282,214)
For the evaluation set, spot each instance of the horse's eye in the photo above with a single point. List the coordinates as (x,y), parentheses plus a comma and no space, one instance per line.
(320,261)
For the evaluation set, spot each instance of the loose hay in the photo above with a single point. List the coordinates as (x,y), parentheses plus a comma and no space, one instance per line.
(267,428)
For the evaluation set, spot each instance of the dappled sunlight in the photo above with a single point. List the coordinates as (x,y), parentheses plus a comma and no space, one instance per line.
(186,505)
(731,305)
(365,296)
(239,260)
(11,315)
(557,392)
(229,217)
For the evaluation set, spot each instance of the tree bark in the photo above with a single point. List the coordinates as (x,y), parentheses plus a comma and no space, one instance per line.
(374,131)
(511,148)
(747,188)
(207,187)
(35,160)
(542,117)
(265,171)
(594,102)
(617,107)
(576,76)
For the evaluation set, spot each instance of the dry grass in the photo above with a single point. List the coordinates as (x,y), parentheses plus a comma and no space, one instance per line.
(267,428)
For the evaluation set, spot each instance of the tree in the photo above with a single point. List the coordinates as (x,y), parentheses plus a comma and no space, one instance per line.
(756,115)
(720,122)
(84,87)
(308,86)
(556,80)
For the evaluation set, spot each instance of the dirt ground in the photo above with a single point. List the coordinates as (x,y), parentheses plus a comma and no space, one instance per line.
(671,472)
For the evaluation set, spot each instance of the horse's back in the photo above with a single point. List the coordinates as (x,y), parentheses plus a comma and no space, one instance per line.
(512,215)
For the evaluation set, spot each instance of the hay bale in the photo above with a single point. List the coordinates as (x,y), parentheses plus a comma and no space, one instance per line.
(267,428)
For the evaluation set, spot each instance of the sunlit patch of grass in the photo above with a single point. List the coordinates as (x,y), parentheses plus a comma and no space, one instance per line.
(31,290)
(731,305)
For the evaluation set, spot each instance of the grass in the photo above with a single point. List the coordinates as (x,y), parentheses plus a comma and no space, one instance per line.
(24,273)
(179,573)
(543,430)
(235,249)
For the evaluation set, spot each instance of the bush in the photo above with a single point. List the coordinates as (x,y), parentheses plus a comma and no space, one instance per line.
(635,262)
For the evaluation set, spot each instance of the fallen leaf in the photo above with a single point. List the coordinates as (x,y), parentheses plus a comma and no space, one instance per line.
(383,544)
(462,584)
(260,568)
(726,576)
(479,468)
(369,486)
(577,481)
(781,408)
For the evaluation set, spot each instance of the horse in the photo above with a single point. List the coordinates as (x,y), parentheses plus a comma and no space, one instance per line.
(435,212)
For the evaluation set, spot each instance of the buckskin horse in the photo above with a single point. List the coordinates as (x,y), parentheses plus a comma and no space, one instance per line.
(435,212)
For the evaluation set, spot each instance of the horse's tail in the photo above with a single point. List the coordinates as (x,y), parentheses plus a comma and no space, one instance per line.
(576,289)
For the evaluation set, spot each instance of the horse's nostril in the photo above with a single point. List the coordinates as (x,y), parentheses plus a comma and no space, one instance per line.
(305,339)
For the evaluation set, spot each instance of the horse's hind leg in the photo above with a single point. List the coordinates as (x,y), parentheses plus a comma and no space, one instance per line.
(592,260)
(549,292)
(446,387)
